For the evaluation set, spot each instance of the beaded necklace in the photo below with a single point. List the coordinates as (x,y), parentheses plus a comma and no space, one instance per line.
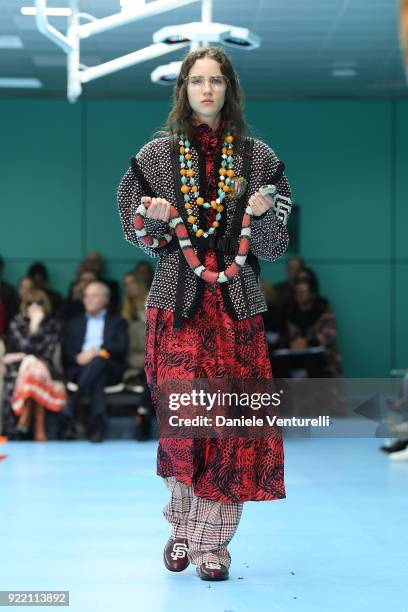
(189,187)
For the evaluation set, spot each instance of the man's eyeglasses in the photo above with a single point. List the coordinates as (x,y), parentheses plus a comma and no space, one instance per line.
(217,81)
(38,302)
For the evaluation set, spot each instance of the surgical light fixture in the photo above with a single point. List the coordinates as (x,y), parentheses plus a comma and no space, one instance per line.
(82,25)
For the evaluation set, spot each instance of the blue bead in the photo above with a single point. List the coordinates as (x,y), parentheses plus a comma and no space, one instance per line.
(186,197)
(206,205)
(181,158)
(187,143)
(218,216)
(184,180)
(220,192)
(195,228)
(192,181)
(211,230)
(189,163)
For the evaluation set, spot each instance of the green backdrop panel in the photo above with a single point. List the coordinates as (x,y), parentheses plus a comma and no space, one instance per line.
(40,187)
(338,160)
(401,182)
(401,318)
(115,130)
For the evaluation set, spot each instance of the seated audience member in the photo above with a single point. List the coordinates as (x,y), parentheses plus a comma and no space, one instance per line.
(144,270)
(73,305)
(308,274)
(39,274)
(94,348)
(311,323)
(31,379)
(95,262)
(134,312)
(8,300)
(282,291)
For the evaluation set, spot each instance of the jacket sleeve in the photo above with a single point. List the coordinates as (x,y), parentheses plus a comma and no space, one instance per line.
(117,345)
(129,196)
(69,343)
(13,340)
(269,236)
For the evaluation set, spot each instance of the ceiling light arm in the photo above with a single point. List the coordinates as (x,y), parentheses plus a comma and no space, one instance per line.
(123,18)
(48,30)
(136,57)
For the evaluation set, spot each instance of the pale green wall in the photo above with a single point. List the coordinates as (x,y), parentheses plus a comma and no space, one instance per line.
(346,161)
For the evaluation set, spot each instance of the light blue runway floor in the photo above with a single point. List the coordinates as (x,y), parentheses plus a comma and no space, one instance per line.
(87,518)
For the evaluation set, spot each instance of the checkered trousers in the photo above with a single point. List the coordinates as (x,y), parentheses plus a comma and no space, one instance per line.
(208,525)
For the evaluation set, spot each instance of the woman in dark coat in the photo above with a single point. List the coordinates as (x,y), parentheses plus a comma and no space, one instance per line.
(198,329)
(30,383)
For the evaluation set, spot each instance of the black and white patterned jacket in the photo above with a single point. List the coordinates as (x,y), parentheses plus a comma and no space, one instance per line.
(269,237)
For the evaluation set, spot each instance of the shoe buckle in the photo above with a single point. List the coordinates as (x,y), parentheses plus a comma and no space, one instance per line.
(212,565)
(179,550)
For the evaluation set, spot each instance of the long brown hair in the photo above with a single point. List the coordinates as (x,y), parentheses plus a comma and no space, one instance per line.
(179,119)
(133,305)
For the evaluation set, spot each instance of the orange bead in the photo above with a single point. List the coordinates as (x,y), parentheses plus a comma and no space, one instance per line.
(190,172)
(230,152)
(230,172)
(229,139)
(191,218)
(182,150)
(215,224)
(199,233)
(185,189)
(194,188)
(226,188)
(187,205)
(188,156)
(221,171)
(183,172)
(220,208)
(200,201)
(221,184)
(224,150)
(213,204)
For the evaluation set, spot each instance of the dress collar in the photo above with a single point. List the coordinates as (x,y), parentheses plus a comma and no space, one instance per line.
(101,314)
(209,140)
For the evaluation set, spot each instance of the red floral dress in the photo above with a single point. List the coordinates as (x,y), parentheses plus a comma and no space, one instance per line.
(213,345)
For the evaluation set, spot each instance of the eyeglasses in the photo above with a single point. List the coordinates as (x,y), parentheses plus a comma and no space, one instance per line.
(217,81)
(38,302)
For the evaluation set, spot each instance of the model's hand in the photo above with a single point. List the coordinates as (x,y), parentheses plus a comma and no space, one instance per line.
(158,209)
(36,314)
(259,203)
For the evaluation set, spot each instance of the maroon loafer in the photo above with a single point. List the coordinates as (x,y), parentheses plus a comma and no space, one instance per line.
(212,571)
(175,555)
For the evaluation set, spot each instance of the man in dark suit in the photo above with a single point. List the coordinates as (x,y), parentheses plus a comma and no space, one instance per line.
(94,349)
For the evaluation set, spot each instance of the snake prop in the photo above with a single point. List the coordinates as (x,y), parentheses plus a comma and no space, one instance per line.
(176,223)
